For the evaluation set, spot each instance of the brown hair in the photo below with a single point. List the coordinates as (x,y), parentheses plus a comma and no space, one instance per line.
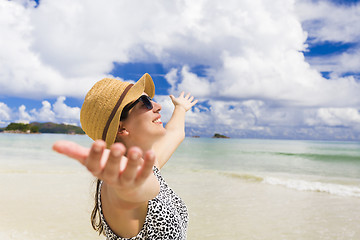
(96,222)
(95,214)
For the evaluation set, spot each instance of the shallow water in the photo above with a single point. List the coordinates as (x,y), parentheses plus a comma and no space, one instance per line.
(234,189)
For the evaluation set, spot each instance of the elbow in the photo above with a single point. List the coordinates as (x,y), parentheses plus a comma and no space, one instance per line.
(182,135)
(179,135)
(175,135)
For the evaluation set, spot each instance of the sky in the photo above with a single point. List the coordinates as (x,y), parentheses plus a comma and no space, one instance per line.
(287,69)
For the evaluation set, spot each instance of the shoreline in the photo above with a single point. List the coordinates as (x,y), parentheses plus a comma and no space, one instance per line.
(36,133)
(19,132)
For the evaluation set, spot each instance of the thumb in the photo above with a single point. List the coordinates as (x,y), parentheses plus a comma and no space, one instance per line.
(173,99)
(71,149)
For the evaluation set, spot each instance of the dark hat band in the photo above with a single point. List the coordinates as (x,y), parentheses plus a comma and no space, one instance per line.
(112,115)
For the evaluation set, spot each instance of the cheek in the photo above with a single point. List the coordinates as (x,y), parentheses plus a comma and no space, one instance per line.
(138,125)
(149,128)
(141,125)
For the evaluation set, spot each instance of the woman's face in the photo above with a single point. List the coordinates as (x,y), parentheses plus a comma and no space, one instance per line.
(144,124)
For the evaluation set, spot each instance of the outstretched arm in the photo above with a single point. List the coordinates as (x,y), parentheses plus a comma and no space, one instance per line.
(175,128)
(129,178)
(128,183)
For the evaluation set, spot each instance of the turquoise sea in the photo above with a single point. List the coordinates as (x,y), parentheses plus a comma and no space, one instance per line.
(321,166)
(234,188)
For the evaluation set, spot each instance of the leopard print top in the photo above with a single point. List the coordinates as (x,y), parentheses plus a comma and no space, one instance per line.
(166,218)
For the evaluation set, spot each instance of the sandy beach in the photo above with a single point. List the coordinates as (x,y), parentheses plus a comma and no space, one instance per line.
(47,196)
(57,206)
(223,208)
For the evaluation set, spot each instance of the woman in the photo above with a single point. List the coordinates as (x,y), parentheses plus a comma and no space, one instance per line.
(132,200)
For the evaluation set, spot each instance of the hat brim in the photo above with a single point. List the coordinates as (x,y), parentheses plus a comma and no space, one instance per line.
(144,84)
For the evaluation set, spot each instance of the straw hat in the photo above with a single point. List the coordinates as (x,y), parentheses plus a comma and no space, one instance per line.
(103,104)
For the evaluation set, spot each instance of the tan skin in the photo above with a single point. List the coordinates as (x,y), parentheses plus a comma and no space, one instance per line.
(126,168)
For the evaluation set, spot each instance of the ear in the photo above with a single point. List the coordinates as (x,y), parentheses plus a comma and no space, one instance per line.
(122,131)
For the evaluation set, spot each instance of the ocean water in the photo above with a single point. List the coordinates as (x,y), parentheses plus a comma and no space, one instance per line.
(234,189)
(321,166)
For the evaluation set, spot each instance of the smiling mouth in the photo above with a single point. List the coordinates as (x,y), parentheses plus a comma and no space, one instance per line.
(157,121)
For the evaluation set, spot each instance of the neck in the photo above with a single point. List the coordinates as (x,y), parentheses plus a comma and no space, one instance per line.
(143,146)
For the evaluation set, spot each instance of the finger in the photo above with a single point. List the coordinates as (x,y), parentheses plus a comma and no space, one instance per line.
(187,96)
(130,172)
(149,161)
(194,102)
(72,150)
(192,98)
(111,170)
(172,97)
(92,163)
(182,94)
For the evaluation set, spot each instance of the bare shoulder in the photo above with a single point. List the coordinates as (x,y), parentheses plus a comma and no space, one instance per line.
(121,219)
(126,218)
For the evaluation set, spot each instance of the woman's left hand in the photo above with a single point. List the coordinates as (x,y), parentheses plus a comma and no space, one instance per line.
(187,102)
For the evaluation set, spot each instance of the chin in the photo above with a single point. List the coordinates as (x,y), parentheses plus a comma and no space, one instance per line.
(154,133)
(162,132)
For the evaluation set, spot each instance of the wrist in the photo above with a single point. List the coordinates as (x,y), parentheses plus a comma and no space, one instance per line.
(180,107)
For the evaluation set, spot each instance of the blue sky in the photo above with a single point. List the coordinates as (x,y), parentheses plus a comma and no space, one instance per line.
(285,69)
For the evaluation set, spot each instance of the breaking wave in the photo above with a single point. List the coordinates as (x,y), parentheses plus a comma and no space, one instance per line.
(303,185)
(299,184)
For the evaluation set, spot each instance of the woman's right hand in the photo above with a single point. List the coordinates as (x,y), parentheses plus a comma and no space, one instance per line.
(128,176)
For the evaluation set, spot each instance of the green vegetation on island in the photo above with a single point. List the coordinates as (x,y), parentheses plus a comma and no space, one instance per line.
(21,128)
(36,127)
(217,135)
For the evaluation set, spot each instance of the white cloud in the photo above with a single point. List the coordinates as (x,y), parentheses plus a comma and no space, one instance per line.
(285,79)
(23,70)
(44,114)
(338,64)
(24,116)
(326,21)
(346,117)
(65,112)
(5,114)
(349,61)
(256,76)
(58,112)
(184,80)
(251,48)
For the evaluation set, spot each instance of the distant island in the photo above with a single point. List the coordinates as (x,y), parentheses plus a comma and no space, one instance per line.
(36,127)
(49,127)
(217,135)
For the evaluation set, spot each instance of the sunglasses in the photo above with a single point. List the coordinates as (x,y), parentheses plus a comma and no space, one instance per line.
(145,99)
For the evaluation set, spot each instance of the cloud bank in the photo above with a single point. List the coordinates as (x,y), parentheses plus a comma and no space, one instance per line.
(327,22)
(57,112)
(256,80)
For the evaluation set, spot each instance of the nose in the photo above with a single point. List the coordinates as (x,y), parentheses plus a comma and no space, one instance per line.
(156,106)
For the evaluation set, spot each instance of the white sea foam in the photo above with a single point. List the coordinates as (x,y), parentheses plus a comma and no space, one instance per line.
(302,185)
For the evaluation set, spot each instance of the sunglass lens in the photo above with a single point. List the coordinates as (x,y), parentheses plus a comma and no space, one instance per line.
(147,101)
